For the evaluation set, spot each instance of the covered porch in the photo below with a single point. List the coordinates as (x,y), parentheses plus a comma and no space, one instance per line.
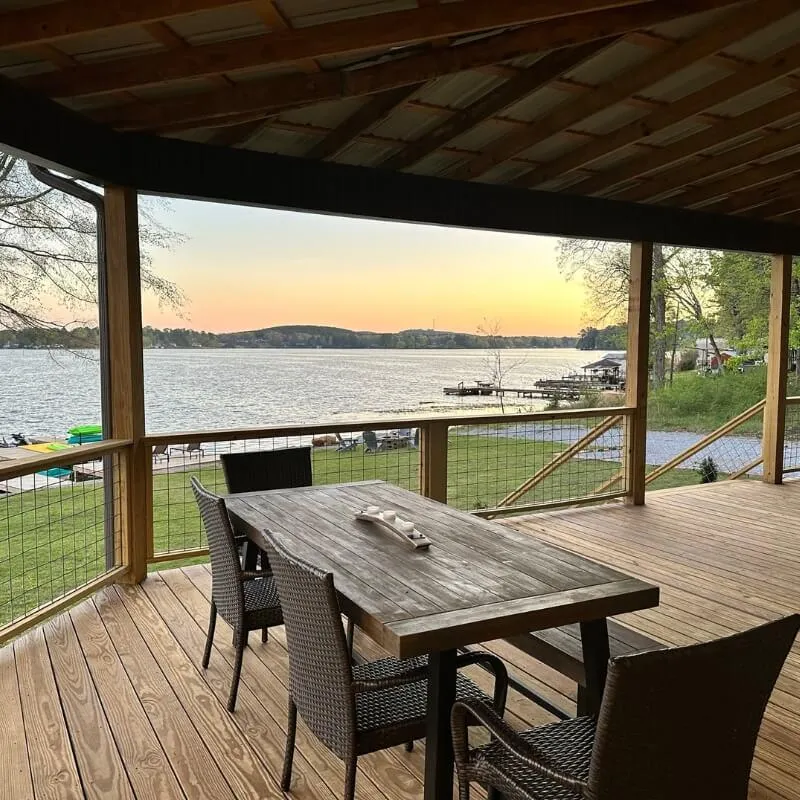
(110,700)
(629,120)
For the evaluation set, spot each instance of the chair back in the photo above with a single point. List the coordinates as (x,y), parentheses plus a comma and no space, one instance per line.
(370,440)
(683,723)
(267,469)
(226,569)
(320,675)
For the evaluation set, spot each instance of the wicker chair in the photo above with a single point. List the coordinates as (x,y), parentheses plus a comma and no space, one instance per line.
(267,469)
(679,723)
(260,470)
(352,709)
(247,601)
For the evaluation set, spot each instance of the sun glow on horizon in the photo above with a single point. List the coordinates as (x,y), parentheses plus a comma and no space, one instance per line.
(245,268)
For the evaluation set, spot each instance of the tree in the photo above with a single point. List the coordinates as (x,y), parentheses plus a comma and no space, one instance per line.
(682,287)
(498,365)
(48,255)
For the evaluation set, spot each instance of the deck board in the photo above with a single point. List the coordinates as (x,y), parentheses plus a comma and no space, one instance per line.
(108,699)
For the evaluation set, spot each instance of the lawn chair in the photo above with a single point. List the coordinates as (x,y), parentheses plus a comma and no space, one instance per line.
(371,444)
(191,448)
(161,451)
(345,445)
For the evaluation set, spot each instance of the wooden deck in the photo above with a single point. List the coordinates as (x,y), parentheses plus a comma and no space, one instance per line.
(108,701)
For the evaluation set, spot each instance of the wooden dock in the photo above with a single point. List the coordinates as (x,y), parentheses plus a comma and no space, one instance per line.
(536,392)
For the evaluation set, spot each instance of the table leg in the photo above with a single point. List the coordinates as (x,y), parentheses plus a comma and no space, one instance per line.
(439,743)
(594,638)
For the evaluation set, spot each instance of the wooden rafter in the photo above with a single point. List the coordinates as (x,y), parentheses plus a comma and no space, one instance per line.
(766,186)
(172,167)
(393,29)
(732,86)
(745,180)
(738,24)
(288,91)
(374,110)
(653,160)
(241,134)
(46,23)
(781,210)
(495,101)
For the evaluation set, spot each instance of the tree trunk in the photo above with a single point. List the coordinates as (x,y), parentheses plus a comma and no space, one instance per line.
(713,342)
(659,319)
(674,346)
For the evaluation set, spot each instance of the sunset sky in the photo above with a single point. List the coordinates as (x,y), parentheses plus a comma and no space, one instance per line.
(244,268)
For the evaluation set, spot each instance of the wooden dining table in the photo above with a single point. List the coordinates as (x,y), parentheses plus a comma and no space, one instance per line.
(477,581)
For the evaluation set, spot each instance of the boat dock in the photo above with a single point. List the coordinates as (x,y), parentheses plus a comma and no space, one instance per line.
(537,392)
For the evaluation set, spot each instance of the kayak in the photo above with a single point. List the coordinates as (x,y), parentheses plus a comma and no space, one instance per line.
(81,430)
(85,438)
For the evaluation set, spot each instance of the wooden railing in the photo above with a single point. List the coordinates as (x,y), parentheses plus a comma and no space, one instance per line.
(791,438)
(61,538)
(488,464)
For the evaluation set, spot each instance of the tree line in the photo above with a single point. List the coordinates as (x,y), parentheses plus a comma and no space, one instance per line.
(696,294)
(302,336)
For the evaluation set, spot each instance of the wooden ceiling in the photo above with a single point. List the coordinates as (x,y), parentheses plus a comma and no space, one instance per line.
(690,104)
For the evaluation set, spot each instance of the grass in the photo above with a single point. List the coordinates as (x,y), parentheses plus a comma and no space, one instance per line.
(51,540)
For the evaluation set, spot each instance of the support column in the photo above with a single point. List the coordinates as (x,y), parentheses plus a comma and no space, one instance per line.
(433,460)
(126,390)
(636,368)
(777,364)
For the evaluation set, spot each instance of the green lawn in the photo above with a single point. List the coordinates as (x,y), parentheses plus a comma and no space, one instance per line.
(51,540)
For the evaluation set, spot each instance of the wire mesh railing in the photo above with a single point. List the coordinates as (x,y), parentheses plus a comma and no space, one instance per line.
(734,450)
(532,463)
(791,438)
(58,533)
(492,463)
(337,456)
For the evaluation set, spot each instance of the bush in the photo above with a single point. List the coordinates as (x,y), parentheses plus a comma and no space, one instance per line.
(707,470)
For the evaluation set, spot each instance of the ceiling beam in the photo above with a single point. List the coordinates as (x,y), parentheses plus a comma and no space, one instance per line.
(719,35)
(751,176)
(496,100)
(289,91)
(376,31)
(763,73)
(752,187)
(653,160)
(779,208)
(46,23)
(176,168)
(373,111)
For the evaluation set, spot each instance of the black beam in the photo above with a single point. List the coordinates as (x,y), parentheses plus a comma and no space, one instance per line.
(48,133)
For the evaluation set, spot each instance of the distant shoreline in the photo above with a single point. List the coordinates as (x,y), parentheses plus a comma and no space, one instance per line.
(302,337)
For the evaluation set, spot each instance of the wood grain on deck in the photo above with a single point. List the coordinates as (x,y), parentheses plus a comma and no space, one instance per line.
(108,699)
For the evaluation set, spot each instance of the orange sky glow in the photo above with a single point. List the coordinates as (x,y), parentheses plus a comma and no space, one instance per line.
(244,268)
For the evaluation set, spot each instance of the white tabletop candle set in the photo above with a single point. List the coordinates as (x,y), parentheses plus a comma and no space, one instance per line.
(402,528)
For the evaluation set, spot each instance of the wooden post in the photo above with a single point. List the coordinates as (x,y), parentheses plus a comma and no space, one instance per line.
(636,368)
(126,389)
(778,360)
(433,461)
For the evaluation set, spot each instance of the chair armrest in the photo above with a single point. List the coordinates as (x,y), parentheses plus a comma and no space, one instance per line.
(496,666)
(505,736)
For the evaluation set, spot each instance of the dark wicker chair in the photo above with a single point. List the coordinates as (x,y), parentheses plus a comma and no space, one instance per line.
(352,709)
(247,601)
(678,724)
(260,470)
(267,469)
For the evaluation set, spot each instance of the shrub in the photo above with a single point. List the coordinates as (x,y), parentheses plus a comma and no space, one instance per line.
(707,470)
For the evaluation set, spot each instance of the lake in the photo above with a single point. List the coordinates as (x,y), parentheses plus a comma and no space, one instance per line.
(45,393)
